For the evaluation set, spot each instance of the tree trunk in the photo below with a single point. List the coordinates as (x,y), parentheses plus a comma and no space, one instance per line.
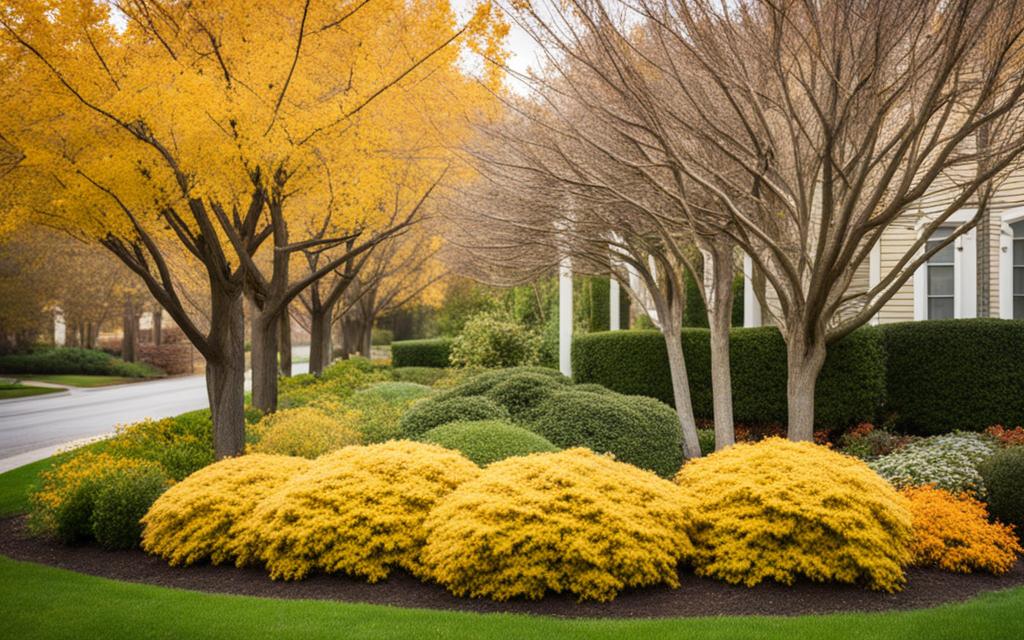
(804,359)
(719,307)
(264,330)
(366,339)
(285,343)
(129,333)
(225,374)
(320,339)
(158,327)
(681,391)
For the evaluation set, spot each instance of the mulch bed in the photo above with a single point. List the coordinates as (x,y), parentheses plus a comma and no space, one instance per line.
(696,596)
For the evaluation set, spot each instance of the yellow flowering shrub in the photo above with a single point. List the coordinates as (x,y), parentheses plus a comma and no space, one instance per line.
(305,431)
(359,511)
(570,521)
(778,510)
(63,506)
(953,532)
(199,518)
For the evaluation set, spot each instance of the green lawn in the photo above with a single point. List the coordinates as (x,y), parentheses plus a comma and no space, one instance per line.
(43,602)
(8,391)
(76,380)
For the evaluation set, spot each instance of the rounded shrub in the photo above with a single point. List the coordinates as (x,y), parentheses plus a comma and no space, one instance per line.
(305,431)
(393,392)
(487,441)
(63,505)
(781,510)
(181,444)
(121,499)
(569,521)
(948,461)
(1003,477)
(592,387)
(640,431)
(522,393)
(359,511)
(200,517)
(490,340)
(953,532)
(434,412)
(479,384)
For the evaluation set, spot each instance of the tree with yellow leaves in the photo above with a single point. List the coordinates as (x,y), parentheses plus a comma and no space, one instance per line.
(193,136)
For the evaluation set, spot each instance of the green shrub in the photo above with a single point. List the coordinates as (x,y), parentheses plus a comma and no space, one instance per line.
(121,499)
(181,445)
(955,374)
(869,443)
(419,375)
(380,337)
(70,360)
(394,392)
(489,340)
(521,393)
(433,412)
(850,390)
(707,441)
(640,431)
(1003,476)
(479,384)
(487,441)
(592,387)
(433,352)
(948,461)
(339,380)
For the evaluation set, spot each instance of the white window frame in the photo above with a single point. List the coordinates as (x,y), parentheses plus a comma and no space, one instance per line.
(965,270)
(1010,216)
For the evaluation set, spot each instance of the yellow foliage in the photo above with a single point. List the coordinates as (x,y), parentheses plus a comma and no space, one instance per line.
(359,510)
(198,518)
(953,533)
(63,504)
(778,510)
(305,431)
(568,521)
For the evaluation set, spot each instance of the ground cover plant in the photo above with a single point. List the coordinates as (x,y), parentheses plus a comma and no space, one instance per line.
(949,461)
(570,521)
(779,510)
(487,441)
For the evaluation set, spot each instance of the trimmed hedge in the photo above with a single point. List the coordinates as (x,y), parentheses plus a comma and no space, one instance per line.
(851,388)
(955,374)
(637,430)
(481,383)
(421,353)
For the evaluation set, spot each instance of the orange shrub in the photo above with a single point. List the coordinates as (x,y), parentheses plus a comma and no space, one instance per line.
(1007,436)
(952,532)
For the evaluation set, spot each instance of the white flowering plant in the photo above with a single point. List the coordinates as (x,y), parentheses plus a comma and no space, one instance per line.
(948,461)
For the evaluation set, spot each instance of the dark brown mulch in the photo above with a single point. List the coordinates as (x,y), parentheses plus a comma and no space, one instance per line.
(696,596)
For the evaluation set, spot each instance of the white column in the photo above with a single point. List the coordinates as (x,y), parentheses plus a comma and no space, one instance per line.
(565,317)
(613,305)
(751,306)
(60,329)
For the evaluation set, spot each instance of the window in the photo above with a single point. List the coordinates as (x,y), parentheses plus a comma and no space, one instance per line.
(1017,250)
(941,277)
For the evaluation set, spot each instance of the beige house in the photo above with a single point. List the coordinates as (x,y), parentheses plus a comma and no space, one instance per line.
(952,283)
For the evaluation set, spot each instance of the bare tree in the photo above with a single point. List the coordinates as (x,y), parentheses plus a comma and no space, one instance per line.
(808,129)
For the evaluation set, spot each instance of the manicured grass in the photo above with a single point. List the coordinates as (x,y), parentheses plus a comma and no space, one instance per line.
(43,602)
(8,391)
(76,380)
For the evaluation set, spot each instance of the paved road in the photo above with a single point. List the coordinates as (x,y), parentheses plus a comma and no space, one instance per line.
(37,427)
